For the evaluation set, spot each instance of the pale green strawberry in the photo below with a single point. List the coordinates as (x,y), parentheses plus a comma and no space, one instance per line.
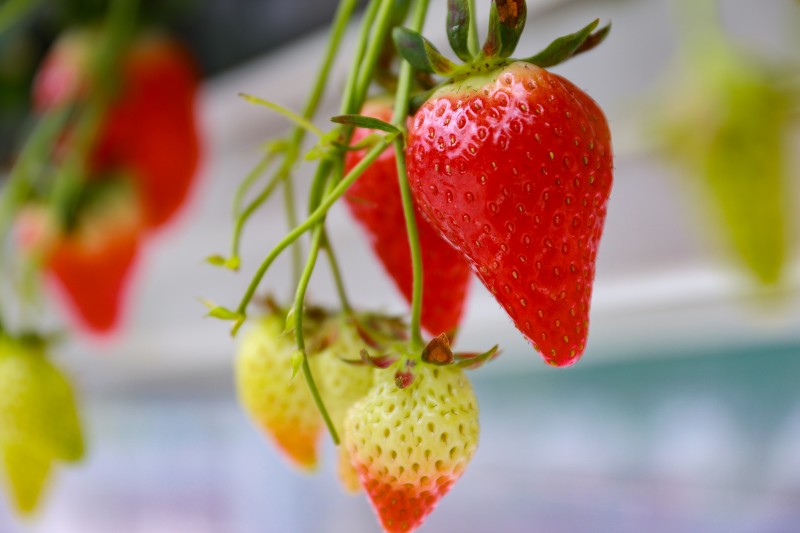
(341,385)
(726,119)
(410,445)
(281,406)
(37,406)
(26,471)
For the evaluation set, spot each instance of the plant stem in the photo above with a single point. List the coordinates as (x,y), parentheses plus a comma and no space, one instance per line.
(20,181)
(399,120)
(299,300)
(315,217)
(349,104)
(337,275)
(373,53)
(250,209)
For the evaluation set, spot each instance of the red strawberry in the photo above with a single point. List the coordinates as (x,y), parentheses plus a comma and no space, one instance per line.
(150,128)
(410,445)
(91,263)
(514,168)
(375,202)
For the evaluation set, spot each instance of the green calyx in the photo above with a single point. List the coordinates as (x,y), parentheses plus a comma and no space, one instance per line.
(506,23)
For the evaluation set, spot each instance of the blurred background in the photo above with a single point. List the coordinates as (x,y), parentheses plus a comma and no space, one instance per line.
(683,414)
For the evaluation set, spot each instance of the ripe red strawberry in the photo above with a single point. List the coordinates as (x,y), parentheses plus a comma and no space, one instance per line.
(410,445)
(374,199)
(281,406)
(91,264)
(150,128)
(514,168)
(512,165)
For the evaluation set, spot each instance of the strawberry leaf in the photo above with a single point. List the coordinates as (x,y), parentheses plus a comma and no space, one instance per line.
(421,53)
(472,361)
(458,21)
(506,22)
(216,260)
(567,46)
(362,121)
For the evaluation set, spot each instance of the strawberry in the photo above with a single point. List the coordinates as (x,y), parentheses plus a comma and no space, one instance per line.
(281,406)
(512,165)
(342,384)
(410,445)
(39,422)
(727,124)
(374,200)
(91,264)
(149,129)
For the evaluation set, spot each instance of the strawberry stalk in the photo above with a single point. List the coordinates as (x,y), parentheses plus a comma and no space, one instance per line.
(400,114)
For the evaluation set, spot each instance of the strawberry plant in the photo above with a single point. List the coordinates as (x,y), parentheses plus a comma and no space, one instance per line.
(496,166)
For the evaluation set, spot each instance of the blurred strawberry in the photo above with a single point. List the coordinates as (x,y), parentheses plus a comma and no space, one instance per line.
(149,129)
(39,422)
(92,262)
(726,119)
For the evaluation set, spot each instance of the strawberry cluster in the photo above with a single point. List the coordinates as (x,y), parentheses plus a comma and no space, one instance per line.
(500,168)
(126,165)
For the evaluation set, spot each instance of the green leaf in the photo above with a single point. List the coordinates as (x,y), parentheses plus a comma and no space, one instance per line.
(567,46)
(506,22)
(458,21)
(361,121)
(291,115)
(421,53)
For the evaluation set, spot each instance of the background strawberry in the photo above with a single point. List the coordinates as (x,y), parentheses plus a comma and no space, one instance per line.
(410,445)
(91,263)
(39,422)
(149,130)
(281,406)
(514,168)
(342,384)
(374,199)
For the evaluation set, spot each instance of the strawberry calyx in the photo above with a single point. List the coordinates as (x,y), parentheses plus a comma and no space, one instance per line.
(506,23)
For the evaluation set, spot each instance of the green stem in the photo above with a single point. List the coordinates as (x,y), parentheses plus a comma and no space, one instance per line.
(315,217)
(292,220)
(337,275)
(248,211)
(473,43)
(20,180)
(299,304)
(373,53)
(349,104)
(250,179)
(399,120)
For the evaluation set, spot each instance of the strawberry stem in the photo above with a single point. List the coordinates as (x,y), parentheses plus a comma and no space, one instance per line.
(300,295)
(315,217)
(399,120)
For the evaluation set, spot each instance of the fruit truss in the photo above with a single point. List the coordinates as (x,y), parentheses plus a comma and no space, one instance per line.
(494,166)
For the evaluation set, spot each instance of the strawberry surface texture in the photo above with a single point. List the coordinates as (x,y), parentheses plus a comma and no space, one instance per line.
(410,445)
(514,168)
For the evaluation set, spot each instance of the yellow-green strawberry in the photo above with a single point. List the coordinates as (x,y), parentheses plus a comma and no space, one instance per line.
(37,404)
(26,470)
(410,445)
(341,385)
(281,406)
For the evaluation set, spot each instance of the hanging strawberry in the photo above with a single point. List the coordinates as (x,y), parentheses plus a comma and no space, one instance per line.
(512,164)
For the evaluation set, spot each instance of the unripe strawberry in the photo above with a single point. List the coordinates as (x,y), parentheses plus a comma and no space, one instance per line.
(410,445)
(26,473)
(281,406)
(343,384)
(37,404)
